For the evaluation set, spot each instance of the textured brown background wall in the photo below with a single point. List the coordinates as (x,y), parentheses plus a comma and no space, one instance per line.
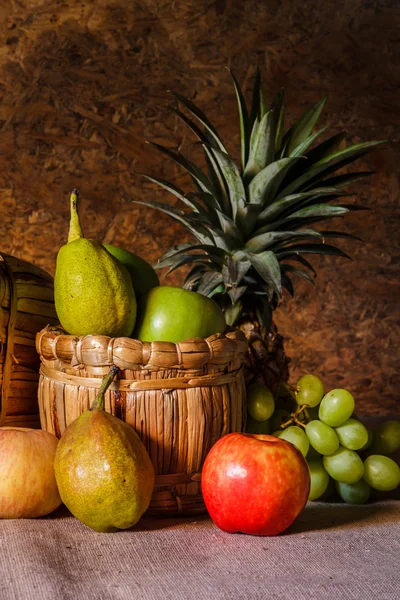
(84,84)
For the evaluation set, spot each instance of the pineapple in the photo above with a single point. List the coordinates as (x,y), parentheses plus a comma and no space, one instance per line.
(254,225)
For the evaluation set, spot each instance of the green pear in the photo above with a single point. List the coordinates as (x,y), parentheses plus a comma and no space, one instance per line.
(103,472)
(93,291)
(143,276)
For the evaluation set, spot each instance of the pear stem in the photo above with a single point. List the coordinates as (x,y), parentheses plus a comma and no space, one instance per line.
(107,380)
(75,229)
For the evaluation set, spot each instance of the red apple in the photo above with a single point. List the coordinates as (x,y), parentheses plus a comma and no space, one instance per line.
(254,483)
(28,486)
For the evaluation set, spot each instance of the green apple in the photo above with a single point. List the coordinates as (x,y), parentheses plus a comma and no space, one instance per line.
(172,314)
(143,276)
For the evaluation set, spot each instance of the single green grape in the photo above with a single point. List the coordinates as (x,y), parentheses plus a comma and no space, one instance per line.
(253,426)
(381,473)
(322,437)
(280,416)
(352,434)
(310,390)
(386,438)
(336,407)
(369,442)
(319,479)
(354,493)
(260,401)
(344,465)
(312,454)
(297,437)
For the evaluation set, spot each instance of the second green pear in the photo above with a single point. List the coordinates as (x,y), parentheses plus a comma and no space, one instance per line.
(143,276)
(93,291)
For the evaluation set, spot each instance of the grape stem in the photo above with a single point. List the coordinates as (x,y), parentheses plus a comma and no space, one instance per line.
(294,417)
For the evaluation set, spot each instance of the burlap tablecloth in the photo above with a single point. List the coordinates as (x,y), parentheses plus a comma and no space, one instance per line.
(333,551)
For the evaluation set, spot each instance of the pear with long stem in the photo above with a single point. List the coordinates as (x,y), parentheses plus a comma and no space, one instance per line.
(93,291)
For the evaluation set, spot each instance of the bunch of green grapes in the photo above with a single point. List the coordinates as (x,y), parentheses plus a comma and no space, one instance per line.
(340,450)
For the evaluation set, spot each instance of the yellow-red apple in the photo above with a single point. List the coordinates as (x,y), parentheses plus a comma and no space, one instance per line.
(254,483)
(28,486)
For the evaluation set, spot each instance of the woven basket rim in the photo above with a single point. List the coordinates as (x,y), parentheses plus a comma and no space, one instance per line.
(52,343)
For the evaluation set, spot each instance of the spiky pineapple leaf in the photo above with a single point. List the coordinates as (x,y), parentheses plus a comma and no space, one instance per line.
(185,259)
(246,216)
(234,270)
(340,234)
(254,131)
(258,103)
(303,127)
(206,204)
(329,164)
(208,282)
(301,223)
(170,187)
(191,199)
(301,235)
(221,239)
(279,206)
(201,134)
(347,179)
(177,249)
(287,284)
(236,293)
(216,255)
(355,207)
(243,121)
(304,145)
(318,210)
(286,268)
(311,249)
(232,313)
(278,109)
(194,275)
(210,132)
(196,173)
(268,180)
(299,258)
(195,228)
(267,266)
(262,147)
(259,243)
(232,177)
(230,228)
(217,181)
(326,148)
(306,215)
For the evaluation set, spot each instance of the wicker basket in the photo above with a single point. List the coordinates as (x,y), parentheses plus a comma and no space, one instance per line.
(180,399)
(26,306)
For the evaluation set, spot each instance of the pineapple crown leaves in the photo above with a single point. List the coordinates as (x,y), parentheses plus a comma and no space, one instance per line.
(250,221)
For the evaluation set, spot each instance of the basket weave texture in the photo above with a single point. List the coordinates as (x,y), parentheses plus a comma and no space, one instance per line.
(180,399)
(26,306)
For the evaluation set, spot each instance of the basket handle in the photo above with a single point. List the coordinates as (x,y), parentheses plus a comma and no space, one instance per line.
(135,385)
